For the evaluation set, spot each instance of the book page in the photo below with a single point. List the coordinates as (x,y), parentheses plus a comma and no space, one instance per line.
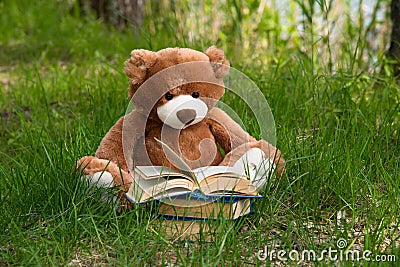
(217,184)
(156,188)
(203,210)
(148,184)
(177,160)
(204,172)
(155,171)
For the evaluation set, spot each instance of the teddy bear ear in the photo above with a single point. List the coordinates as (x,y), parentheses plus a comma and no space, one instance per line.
(136,67)
(220,64)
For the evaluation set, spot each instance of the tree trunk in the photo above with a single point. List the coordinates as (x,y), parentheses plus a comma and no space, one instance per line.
(120,13)
(394,50)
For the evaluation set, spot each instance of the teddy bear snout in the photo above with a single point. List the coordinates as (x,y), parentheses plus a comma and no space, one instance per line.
(186,116)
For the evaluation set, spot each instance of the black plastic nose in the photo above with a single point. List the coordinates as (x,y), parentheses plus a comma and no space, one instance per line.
(186,116)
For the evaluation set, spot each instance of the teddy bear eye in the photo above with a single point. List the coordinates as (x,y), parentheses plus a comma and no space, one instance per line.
(169,96)
(195,94)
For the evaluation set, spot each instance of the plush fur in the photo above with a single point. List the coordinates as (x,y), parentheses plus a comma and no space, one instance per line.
(132,138)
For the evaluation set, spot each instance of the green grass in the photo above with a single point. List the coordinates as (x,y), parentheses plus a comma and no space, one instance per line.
(62,88)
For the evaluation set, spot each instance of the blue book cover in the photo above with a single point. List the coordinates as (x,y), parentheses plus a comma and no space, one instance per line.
(206,208)
(192,218)
(197,195)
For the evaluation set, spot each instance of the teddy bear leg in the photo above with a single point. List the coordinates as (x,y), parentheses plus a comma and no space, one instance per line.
(252,160)
(102,179)
(258,167)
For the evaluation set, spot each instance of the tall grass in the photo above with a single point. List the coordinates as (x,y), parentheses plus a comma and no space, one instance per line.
(255,32)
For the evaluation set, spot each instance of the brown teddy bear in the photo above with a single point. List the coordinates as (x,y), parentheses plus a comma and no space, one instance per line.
(174,92)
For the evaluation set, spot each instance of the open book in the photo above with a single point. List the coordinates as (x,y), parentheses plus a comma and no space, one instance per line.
(157,182)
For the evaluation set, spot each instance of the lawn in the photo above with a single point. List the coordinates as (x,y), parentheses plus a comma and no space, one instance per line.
(62,87)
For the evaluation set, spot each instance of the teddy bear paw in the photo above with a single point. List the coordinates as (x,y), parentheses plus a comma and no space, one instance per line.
(258,167)
(103,180)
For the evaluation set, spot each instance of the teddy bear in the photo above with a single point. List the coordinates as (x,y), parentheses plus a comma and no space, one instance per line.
(173,93)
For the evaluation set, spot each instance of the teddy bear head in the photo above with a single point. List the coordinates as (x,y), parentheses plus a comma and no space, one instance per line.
(176,86)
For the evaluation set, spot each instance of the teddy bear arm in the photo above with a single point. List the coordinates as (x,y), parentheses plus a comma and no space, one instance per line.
(269,151)
(119,143)
(226,131)
(110,147)
(273,153)
(238,140)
